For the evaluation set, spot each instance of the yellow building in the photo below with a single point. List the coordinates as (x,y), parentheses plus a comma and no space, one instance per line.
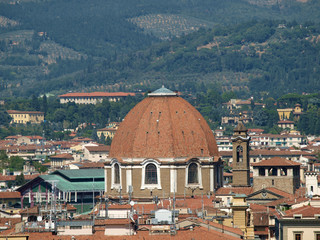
(25,117)
(108,131)
(241,217)
(284,114)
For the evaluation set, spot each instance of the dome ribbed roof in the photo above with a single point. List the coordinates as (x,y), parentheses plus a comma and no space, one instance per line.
(163,126)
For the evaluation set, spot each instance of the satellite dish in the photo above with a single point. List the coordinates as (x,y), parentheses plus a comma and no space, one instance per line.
(39,218)
(131,203)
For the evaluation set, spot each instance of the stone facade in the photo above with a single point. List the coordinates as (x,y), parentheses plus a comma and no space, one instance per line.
(172,179)
(277,172)
(24,117)
(163,147)
(241,168)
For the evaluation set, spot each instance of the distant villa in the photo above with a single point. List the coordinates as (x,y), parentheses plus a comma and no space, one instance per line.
(93,98)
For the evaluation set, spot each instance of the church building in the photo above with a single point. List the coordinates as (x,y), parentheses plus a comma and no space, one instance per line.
(163,147)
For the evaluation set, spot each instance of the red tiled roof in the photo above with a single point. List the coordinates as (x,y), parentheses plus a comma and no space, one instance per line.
(118,206)
(4,195)
(264,152)
(217,225)
(236,190)
(97,94)
(23,112)
(83,165)
(255,130)
(113,221)
(198,233)
(13,177)
(262,232)
(305,211)
(285,121)
(257,207)
(276,161)
(98,148)
(70,207)
(62,156)
(163,127)
(279,192)
(81,139)
(32,210)
(260,219)
(34,137)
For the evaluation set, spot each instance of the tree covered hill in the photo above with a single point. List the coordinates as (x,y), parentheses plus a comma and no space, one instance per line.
(263,58)
(102,44)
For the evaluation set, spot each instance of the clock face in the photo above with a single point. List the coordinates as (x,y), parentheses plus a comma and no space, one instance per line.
(264,194)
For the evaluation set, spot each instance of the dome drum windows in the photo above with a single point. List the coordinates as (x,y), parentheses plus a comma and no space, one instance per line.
(193,175)
(151,174)
(150,177)
(116,176)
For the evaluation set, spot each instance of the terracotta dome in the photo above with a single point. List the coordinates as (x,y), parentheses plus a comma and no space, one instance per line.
(163,125)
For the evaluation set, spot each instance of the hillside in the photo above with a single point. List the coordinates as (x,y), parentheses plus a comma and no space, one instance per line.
(260,58)
(51,46)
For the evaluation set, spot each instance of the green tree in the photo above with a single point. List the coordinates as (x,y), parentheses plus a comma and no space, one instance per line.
(44,105)
(16,163)
(35,105)
(4,118)
(94,135)
(39,167)
(4,160)
(108,141)
(102,139)
(20,180)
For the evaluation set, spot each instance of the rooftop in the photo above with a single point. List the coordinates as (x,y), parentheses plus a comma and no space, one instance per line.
(162,92)
(97,94)
(276,162)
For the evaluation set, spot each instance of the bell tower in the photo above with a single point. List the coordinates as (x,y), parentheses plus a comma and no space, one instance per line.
(240,154)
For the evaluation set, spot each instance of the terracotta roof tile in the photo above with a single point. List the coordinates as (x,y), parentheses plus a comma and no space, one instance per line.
(23,112)
(285,121)
(4,195)
(98,148)
(83,165)
(198,233)
(276,161)
(280,192)
(231,229)
(32,210)
(260,219)
(305,211)
(118,206)
(163,127)
(113,221)
(97,94)
(62,156)
(234,190)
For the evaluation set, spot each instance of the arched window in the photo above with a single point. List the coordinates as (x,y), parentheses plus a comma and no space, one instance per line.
(193,173)
(116,174)
(151,174)
(239,153)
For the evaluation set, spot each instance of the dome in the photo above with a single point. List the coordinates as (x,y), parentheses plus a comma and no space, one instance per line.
(163,125)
